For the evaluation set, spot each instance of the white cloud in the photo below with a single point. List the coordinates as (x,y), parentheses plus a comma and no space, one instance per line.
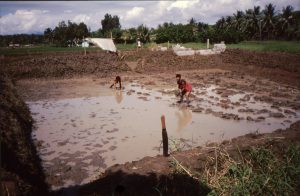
(22,21)
(182,4)
(82,18)
(134,13)
(28,17)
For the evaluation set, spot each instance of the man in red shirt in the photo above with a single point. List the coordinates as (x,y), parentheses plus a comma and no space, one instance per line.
(184,87)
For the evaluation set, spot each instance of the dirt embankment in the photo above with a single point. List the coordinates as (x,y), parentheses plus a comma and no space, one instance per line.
(21,171)
(279,67)
(62,65)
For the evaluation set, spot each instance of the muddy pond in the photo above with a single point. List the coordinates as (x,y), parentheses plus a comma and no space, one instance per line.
(79,137)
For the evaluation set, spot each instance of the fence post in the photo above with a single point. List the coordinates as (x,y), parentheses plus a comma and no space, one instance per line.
(164,136)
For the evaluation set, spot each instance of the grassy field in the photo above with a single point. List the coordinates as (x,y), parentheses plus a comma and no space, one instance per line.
(280,46)
(259,171)
(41,49)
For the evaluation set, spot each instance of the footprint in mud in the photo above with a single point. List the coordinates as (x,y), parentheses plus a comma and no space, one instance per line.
(158,97)
(112,148)
(124,139)
(112,131)
(110,138)
(144,98)
(104,142)
(62,143)
(92,115)
(98,145)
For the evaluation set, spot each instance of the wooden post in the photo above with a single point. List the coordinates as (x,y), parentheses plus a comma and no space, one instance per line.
(164,136)
(207,43)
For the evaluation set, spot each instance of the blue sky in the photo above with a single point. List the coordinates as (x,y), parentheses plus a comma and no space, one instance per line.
(31,17)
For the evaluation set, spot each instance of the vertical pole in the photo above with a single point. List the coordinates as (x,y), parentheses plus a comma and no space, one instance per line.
(207,44)
(164,136)
(168,44)
(84,51)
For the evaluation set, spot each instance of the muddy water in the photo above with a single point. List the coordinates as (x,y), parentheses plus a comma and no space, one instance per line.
(80,137)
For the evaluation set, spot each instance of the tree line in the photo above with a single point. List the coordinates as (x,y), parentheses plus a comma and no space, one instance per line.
(252,24)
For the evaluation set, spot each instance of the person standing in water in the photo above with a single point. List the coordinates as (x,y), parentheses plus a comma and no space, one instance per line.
(116,82)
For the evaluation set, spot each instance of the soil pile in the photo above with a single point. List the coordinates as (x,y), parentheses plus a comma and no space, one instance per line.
(62,65)
(20,165)
(279,67)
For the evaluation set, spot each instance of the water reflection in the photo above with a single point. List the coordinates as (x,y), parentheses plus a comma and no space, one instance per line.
(184,117)
(118,95)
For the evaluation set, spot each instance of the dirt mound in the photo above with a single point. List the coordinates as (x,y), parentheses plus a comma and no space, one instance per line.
(63,65)
(168,61)
(279,67)
(275,60)
(21,172)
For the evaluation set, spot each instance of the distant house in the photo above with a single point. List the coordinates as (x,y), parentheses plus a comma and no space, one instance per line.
(12,45)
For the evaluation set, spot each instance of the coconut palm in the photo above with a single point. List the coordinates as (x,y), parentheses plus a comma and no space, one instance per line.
(253,19)
(286,19)
(269,19)
(125,35)
(221,23)
(238,22)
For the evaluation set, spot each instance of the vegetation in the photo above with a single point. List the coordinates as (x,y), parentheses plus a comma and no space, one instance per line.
(280,46)
(252,24)
(64,34)
(42,49)
(24,39)
(259,171)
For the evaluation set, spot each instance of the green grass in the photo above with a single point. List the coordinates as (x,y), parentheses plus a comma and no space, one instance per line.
(260,171)
(192,45)
(40,49)
(279,46)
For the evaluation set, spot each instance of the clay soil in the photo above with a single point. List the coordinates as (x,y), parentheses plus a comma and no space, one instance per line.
(275,77)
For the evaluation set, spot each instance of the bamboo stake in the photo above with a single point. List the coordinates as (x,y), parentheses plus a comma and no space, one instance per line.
(164,136)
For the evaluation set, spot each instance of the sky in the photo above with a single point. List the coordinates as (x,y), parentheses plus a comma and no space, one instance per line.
(18,17)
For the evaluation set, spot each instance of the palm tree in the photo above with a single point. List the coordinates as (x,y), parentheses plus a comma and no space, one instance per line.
(269,19)
(229,22)
(239,21)
(143,33)
(286,18)
(253,19)
(221,23)
(125,35)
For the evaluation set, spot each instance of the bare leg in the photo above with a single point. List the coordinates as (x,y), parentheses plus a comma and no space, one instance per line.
(187,95)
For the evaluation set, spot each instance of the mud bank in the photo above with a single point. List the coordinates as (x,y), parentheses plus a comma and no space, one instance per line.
(21,171)
(83,127)
(153,175)
(62,65)
(241,70)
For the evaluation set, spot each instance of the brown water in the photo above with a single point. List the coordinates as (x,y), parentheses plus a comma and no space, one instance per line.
(81,137)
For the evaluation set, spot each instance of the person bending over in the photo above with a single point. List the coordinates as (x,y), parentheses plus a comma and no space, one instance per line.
(178,78)
(117,82)
(186,89)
